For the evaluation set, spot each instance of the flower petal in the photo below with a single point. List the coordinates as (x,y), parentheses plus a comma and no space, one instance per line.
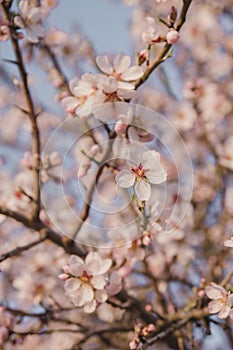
(224,313)
(215,291)
(133,73)
(71,285)
(229,243)
(74,259)
(105,266)
(101,295)
(121,63)
(143,190)
(214,306)
(90,307)
(125,179)
(156,177)
(98,282)
(104,64)
(83,295)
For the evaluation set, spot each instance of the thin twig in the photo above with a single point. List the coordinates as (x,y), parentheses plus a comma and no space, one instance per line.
(19,250)
(165,51)
(37,225)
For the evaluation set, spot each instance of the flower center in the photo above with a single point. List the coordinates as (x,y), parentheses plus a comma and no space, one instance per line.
(139,172)
(85,277)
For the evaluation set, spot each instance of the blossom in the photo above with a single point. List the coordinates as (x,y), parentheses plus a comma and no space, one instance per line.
(85,94)
(85,284)
(221,300)
(148,170)
(229,243)
(151,34)
(29,18)
(120,70)
(117,83)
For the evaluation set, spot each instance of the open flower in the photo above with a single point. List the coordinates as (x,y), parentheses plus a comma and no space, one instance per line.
(30,18)
(85,94)
(120,70)
(221,301)
(148,170)
(151,34)
(85,281)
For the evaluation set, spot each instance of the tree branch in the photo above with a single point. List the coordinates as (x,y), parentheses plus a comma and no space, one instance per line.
(163,54)
(19,250)
(37,225)
(31,113)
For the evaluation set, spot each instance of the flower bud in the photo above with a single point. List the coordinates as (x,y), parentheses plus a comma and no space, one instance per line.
(172,37)
(172,15)
(120,127)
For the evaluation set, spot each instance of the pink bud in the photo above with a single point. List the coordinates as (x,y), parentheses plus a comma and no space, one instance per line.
(95,149)
(172,37)
(148,307)
(143,56)
(66,269)
(201,293)
(63,277)
(134,344)
(120,127)
(150,328)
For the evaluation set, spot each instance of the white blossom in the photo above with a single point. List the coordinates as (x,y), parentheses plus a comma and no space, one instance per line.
(148,170)
(30,18)
(85,283)
(221,300)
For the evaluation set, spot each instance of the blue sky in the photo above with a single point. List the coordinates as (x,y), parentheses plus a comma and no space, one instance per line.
(104,22)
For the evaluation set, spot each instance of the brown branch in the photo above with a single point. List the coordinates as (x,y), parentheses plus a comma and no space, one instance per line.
(98,333)
(31,113)
(37,225)
(19,250)
(164,53)
(180,319)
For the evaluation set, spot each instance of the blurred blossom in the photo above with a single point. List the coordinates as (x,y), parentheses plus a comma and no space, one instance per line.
(229,243)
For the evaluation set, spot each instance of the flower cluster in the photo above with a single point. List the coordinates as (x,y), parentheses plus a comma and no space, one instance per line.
(85,281)
(114,85)
(221,301)
(29,18)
